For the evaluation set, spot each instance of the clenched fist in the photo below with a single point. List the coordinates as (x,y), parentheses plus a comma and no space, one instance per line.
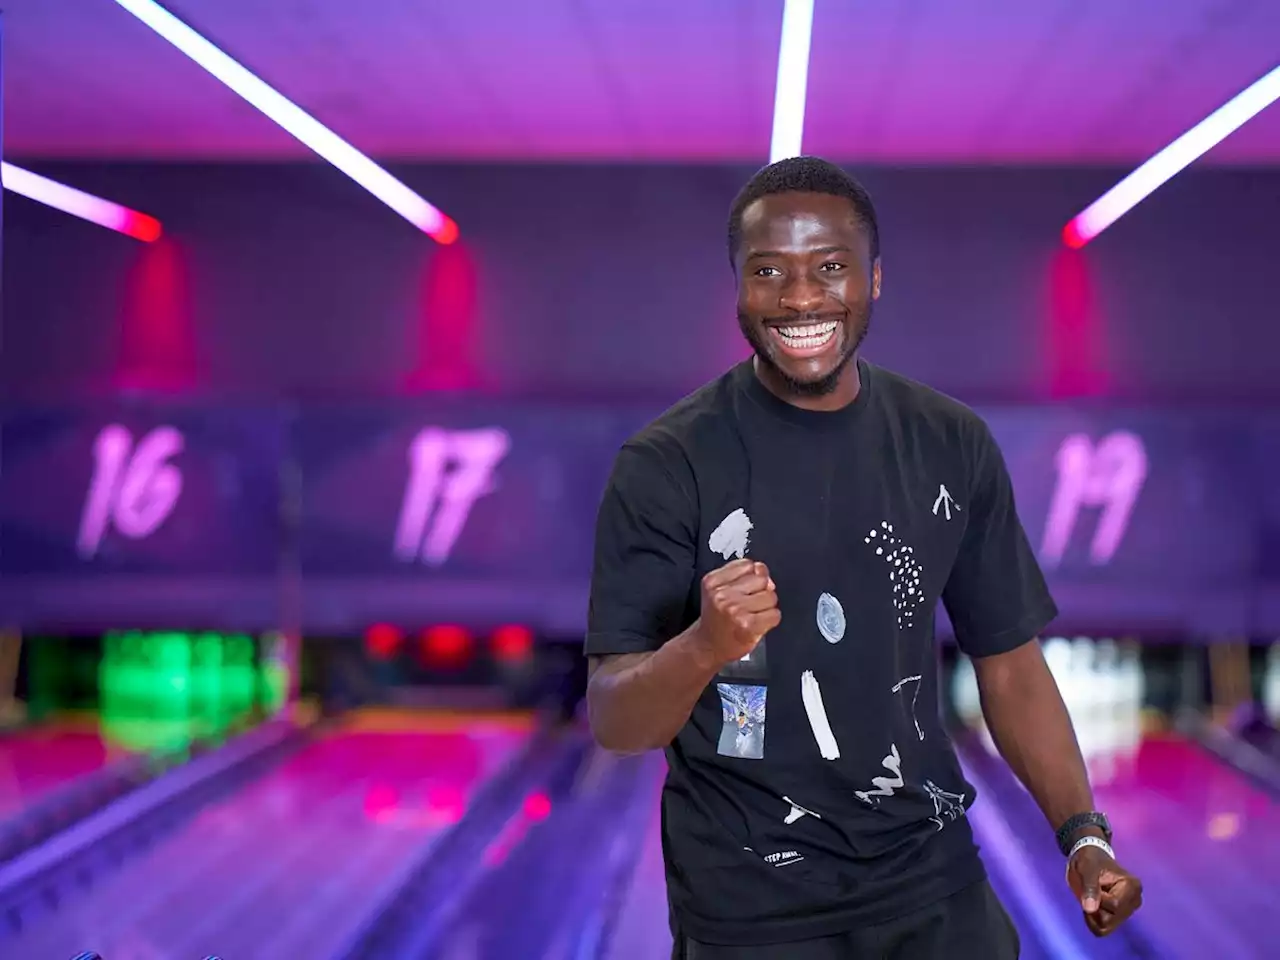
(739,606)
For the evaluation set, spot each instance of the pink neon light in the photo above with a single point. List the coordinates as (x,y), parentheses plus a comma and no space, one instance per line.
(296,121)
(1177,156)
(79,204)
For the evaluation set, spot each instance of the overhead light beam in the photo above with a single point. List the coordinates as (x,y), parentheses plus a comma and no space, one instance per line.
(793,80)
(1177,156)
(86,206)
(295,121)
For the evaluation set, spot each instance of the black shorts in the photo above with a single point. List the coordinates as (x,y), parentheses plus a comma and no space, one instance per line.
(968,925)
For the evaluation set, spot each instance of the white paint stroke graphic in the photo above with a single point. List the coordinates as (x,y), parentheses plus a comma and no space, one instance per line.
(733,536)
(947,807)
(797,812)
(885,786)
(897,688)
(811,693)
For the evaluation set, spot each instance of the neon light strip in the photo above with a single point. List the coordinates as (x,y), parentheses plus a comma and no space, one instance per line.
(1188,148)
(793,80)
(296,121)
(79,204)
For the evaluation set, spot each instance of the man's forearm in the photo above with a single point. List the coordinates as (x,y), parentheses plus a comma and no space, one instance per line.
(1032,730)
(640,702)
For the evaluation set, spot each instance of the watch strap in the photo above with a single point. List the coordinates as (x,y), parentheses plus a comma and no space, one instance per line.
(1066,834)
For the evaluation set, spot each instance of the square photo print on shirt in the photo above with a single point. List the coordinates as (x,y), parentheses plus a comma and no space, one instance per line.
(742,710)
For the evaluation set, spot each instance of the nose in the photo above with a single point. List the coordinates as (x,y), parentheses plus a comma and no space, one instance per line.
(802,294)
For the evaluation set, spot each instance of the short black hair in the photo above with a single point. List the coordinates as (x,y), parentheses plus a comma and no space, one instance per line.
(804,175)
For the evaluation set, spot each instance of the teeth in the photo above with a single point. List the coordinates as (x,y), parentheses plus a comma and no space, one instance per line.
(812,335)
(813,330)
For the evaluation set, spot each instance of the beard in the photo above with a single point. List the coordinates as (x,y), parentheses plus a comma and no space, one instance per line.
(855,331)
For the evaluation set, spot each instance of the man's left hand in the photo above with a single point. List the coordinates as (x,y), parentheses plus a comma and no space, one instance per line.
(1108,893)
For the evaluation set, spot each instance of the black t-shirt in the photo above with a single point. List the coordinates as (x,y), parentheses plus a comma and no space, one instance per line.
(814,789)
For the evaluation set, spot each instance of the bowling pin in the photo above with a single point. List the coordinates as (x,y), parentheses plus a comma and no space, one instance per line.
(1133,692)
(1109,708)
(1057,654)
(1271,685)
(1082,697)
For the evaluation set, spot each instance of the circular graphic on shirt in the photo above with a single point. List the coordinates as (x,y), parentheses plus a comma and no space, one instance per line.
(830,618)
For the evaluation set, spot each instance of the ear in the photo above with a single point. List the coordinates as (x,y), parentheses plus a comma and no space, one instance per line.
(875,279)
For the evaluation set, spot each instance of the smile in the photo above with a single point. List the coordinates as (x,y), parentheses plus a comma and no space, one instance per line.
(805,338)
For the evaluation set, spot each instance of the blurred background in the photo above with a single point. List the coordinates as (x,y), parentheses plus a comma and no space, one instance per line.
(323,322)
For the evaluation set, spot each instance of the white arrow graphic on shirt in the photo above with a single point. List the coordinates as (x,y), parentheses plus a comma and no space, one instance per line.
(945,502)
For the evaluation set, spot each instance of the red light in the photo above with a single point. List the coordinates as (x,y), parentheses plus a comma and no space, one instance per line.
(512,644)
(537,806)
(446,646)
(446,233)
(1072,236)
(446,804)
(381,803)
(141,227)
(382,640)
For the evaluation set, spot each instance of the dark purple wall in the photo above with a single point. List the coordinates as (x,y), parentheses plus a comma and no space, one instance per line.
(613,281)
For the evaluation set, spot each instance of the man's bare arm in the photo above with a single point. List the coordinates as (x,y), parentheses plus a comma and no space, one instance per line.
(640,701)
(1032,730)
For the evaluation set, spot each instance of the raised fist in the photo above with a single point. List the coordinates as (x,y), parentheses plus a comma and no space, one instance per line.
(739,606)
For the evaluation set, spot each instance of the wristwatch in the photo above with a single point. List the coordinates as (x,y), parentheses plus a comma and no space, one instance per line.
(1067,832)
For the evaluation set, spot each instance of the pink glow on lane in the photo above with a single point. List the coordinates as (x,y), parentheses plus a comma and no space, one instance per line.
(35,762)
(296,121)
(86,206)
(1170,161)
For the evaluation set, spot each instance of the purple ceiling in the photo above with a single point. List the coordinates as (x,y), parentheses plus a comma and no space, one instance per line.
(897,81)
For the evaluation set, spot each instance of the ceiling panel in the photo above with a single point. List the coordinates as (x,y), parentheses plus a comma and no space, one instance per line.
(908,81)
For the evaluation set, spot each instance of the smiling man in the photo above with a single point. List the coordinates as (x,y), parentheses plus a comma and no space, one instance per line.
(769,554)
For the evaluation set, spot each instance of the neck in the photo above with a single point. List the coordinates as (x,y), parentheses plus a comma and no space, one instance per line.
(846,390)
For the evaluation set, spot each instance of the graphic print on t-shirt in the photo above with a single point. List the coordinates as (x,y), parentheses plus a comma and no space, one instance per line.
(901,687)
(904,571)
(945,502)
(742,709)
(816,710)
(797,812)
(884,786)
(752,666)
(831,621)
(733,536)
(947,807)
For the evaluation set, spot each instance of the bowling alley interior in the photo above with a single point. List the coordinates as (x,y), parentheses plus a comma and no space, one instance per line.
(323,326)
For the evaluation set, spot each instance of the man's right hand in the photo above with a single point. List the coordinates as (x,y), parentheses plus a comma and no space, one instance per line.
(739,606)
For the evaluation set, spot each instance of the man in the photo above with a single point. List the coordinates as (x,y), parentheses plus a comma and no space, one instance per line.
(773,547)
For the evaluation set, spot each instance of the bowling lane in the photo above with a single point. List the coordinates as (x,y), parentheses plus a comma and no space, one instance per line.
(642,927)
(1206,843)
(38,761)
(291,864)
(1202,837)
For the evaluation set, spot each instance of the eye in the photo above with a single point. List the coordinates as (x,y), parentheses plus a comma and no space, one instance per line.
(832,267)
(765,272)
